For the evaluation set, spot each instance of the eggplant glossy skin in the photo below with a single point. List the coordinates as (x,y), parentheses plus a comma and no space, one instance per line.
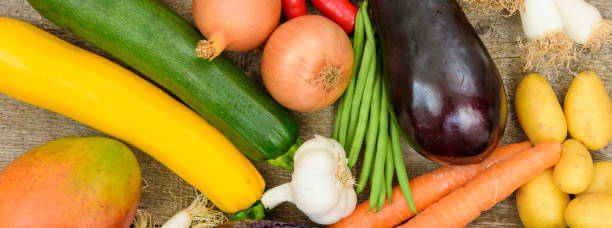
(447,93)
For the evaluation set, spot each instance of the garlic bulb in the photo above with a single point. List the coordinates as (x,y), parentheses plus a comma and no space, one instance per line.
(321,185)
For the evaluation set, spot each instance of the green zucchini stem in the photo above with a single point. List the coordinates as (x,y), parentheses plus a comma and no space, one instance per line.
(257,211)
(286,160)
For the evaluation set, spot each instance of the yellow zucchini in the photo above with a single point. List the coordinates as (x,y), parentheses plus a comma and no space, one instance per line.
(41,69)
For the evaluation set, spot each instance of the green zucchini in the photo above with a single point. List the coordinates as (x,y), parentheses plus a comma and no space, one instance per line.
(160,44)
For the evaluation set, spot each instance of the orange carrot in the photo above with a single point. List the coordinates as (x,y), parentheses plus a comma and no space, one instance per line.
(426,189)
(491,186)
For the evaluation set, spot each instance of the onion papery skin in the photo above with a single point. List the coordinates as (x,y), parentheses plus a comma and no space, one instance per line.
(235,25)
(307,63)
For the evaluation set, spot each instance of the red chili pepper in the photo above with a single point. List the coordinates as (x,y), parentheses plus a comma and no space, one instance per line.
(342,12)
(294,8)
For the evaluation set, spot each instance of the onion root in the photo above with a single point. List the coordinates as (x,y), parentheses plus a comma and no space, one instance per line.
(210,49)
(548,51)
(143,220)
(329,76)
(344,175)
(599,36)
(496,6)
(199,214)
(203,213)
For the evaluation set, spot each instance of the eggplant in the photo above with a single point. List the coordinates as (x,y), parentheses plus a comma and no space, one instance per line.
(447,92)
(260,224)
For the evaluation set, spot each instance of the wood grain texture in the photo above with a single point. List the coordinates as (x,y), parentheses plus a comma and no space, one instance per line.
(23,127)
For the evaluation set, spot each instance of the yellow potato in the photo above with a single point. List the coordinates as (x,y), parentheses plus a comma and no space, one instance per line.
(602,178)
(592,210)
(539,111)
(574,171)
(588,110)
(540,203)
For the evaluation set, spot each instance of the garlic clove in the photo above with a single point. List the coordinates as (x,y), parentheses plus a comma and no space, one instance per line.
(346,205)
(316,163)
(350,202)
(315,197)
(319,143)
(314,182)
(332,215)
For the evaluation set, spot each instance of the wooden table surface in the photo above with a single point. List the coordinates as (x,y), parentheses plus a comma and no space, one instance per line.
(23,127)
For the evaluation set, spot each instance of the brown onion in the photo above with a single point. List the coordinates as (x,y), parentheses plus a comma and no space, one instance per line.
(307,63)
(235,25)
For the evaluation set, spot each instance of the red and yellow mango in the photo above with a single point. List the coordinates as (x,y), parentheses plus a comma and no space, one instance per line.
(71,182)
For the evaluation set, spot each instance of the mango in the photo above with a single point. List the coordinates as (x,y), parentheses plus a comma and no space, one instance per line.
(71,182)
(588,110)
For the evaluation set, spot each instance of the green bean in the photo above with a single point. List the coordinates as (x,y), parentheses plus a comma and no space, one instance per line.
(400,168)
(357,142)
(367,24)
(381,199)
(402,176)
(381,147)
(358,38)
(370,41)
(339,112)
(401,133)
(372,133)
(377,183)
(389,171)
(373,200)
(342,117)
(384,123)
(377,197)
(382,143)
(365,106)
(369,57)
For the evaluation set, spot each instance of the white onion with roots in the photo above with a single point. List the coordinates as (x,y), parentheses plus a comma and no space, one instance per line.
(200,213)
(552,27)
(583,23)
(547,45)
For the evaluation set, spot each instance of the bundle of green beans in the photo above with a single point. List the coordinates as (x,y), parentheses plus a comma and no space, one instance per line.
(364,112)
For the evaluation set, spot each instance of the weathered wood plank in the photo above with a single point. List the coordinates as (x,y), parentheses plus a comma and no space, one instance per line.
(23,126)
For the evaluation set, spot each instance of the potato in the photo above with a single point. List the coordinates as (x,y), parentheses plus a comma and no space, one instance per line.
(540,203)
(592,210)
(602,178)
(588,110)
(574,171)
(538,110)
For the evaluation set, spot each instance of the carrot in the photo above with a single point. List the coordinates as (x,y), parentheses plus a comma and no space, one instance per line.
(426,189)
(491,186)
